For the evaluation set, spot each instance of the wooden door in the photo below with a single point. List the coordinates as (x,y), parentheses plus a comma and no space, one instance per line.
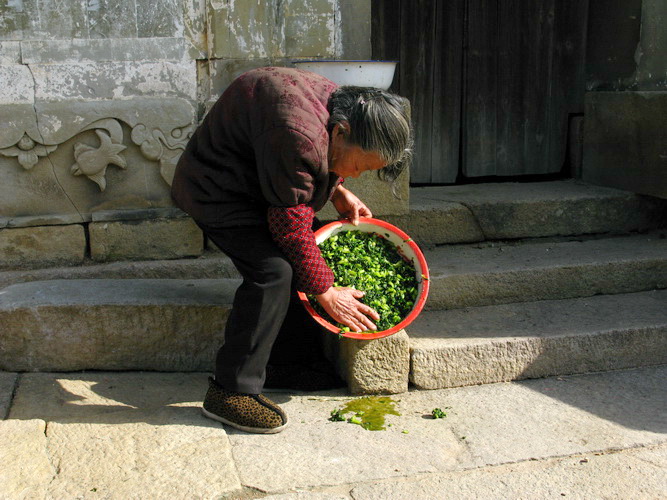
(492,82)
(426,37)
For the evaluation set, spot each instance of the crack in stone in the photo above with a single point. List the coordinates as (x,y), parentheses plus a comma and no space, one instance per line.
(48,155)
(11,396)
(649,448)
(55,468)
(474,216)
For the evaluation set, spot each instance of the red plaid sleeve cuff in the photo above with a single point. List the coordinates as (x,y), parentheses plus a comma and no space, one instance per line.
(291,228)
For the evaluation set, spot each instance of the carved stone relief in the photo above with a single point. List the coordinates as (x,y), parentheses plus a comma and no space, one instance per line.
(93,162)
(27,151)
(159,128)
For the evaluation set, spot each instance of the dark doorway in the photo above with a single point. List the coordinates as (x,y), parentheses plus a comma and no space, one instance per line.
(492,83)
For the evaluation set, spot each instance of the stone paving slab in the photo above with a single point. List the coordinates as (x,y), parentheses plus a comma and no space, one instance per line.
(486,425)
(316,452)
(632,474)
(307,495)
(511,422)
(127,435)
(26,468)
(121,435)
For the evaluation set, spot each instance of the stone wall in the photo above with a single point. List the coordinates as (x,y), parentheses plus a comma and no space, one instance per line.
(100,97)
(626,102)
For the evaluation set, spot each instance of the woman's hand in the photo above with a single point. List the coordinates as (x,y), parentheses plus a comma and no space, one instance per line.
(348,205)
(342,305)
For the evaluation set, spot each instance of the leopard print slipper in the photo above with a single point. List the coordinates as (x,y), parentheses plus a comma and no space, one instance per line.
(247,412)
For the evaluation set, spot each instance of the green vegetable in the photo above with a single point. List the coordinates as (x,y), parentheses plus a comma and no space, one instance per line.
(337,416)
(371,263)
(356,419)
(438,413)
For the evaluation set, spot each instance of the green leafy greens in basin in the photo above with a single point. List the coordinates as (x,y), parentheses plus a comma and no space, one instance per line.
(368,262)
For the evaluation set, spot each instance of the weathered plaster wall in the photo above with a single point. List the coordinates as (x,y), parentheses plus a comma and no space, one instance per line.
(99,97)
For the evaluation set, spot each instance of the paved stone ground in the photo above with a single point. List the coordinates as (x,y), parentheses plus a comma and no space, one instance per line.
(141,435)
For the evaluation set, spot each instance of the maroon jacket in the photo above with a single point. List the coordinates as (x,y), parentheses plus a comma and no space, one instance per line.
(264,143)
(261,155)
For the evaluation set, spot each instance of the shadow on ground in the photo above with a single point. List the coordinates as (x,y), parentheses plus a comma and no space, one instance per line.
(114,398)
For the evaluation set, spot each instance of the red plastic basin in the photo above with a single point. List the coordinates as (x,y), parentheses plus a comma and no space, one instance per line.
(405,246)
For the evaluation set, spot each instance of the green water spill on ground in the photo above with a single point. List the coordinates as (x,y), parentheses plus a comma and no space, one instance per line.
(369,412)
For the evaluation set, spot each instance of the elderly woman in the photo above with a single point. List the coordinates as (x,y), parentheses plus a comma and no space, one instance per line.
(270,153)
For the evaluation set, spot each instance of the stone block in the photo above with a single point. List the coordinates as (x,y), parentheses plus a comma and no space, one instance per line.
(15,20)
(379,366)
(241,30)
(212,265)
(115,80)
(159,18)
(36,246)
(194,28)
(17,83)
(123,324)
(26,469)
(108,20)
(61,19)
(624,141)
(251,30)
(145,239)
(10,52)
(484,345)
(536,209)
(101,50)
(309,28)
(444,223)
(376,194)
(477,275)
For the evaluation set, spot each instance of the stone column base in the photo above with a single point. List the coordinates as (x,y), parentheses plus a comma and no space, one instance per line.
(379,366)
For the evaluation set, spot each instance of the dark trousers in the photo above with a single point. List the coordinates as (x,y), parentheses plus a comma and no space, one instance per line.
(267,323)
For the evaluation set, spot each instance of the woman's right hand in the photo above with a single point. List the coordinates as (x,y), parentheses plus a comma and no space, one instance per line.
(342,305)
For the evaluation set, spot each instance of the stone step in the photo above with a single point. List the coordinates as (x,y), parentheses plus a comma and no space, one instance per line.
(461,275)
(177,325)
(499,211)
(517,341)
(132,324)
(501,273)
(154,324)
(212,265)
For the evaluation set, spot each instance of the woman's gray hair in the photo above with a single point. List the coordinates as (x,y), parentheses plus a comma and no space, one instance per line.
(378,121)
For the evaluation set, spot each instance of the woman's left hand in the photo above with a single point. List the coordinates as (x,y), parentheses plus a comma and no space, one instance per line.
(348,205)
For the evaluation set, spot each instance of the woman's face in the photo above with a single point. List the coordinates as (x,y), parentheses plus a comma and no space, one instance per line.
(347,160)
